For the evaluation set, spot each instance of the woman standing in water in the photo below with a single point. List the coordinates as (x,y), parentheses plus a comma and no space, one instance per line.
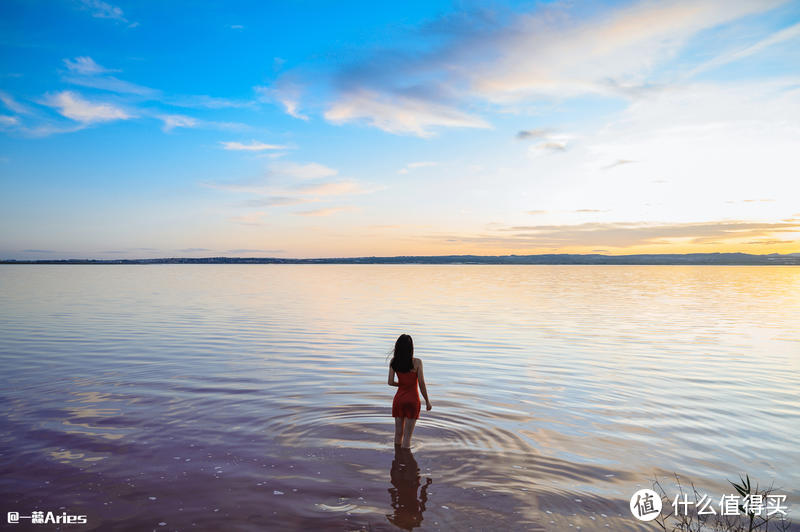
(406,405)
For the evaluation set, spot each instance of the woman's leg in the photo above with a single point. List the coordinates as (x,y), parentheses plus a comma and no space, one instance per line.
(398,430)
(408,430)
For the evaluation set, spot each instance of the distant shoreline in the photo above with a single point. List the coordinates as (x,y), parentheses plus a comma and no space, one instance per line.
(717,259)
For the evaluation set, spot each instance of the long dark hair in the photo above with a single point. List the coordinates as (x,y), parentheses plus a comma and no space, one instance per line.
(402,354)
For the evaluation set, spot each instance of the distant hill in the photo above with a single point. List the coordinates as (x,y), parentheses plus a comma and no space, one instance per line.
(659,259)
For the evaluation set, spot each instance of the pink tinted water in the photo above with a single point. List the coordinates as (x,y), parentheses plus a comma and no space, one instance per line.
(254,396)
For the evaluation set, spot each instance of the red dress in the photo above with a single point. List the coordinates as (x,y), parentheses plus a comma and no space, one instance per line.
(406,400)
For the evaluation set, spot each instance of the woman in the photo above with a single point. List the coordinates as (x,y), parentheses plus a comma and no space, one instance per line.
(406,405)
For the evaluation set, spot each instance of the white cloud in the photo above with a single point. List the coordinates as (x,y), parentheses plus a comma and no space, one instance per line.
(545,141)
(274,201)
(302,171)
(291,193)
(547,53)
(252,218)
(398,114)
(287,183)
(204,101)
(88,73)
(334,188)
(285,92)
(679,154)
(786,34)
(552,55)
(101,9)
(173,121)
(14,105)
(75,107)
(326,211)
(84,71)
(252,146)
(85,65)
(111,84)
(421,164)
(415,165)
(630,234)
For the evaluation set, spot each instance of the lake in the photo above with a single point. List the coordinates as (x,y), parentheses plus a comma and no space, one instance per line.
(238,397)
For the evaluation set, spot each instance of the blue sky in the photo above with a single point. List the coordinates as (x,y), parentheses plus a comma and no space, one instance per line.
(311,129)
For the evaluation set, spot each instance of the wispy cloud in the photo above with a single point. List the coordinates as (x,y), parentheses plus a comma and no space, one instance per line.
(783,35)
(174,121)
(288,183)
(627,234)
(546,53)
(397,113)
(413,166)
(765,200)
(421,164)
(101,9)
(618,162)
(545,140)
(112,84)
(252,146)
(550,146)
(274,201)
(287,93)
(85,65)
(75,107)
(252,218)
(13,105)
(528,134)
(302,171)
(86,72)
(203,101)
(246,250)
(478,58)
(289,193)
(768,242)
(325,212)
(333,188)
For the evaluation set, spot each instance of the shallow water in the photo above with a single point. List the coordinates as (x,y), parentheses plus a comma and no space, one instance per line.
(236,397)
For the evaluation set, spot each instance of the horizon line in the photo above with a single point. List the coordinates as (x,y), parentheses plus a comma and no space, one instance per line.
(590,258)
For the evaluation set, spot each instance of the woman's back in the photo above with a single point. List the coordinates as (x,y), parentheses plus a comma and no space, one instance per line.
(406,401)
(407,379)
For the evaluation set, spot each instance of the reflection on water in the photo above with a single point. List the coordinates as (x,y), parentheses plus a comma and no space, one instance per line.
(408,500)
(239,397)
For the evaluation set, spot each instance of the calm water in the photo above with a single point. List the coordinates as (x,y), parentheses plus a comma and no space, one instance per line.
(236,397)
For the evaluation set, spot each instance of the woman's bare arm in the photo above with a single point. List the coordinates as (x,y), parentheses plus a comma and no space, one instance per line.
(391,377)
(422,388)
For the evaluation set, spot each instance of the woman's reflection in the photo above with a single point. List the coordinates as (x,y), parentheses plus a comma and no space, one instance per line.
(405,481)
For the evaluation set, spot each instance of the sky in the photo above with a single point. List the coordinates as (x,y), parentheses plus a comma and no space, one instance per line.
(341,129)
